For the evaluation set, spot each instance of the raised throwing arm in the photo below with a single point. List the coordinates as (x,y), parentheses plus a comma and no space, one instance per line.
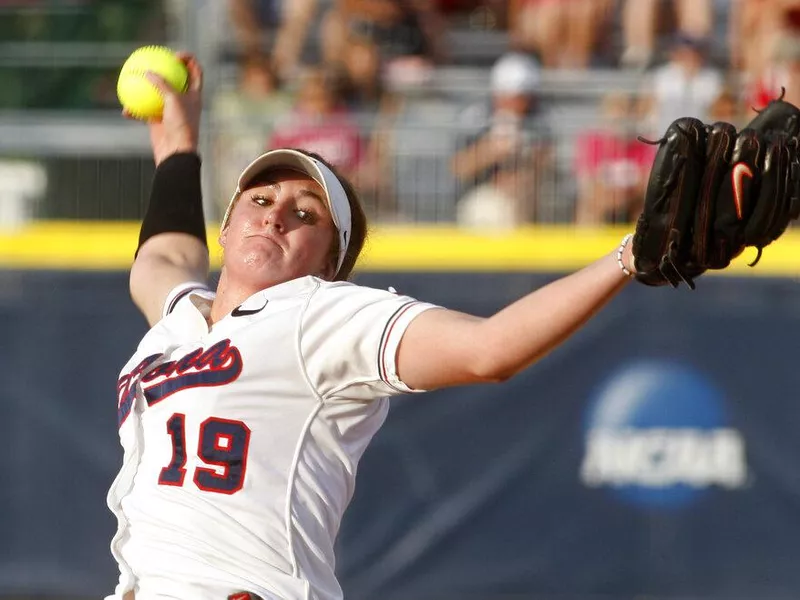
(172,243)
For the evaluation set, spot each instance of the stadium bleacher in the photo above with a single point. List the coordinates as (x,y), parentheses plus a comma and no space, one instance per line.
(59,60)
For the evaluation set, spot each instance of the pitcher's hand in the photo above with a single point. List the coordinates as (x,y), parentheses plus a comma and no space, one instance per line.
(178,129)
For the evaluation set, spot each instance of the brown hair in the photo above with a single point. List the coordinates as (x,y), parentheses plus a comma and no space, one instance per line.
(358,220)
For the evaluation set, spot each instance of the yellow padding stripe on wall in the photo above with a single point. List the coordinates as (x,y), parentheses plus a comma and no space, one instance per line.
(110,246)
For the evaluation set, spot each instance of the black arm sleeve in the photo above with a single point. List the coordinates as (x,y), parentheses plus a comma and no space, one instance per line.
(176,200)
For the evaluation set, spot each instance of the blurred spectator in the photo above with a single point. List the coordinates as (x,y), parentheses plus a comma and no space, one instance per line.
(756,26)
(728,107)
(321,123)
(398,40)
(563,33)
(684,87)
(252,20)
(612,166)
(640,21)
(500,167)
(297,19)
(747,43)
(360,63)
(783,71)
(475,14)
(271,35)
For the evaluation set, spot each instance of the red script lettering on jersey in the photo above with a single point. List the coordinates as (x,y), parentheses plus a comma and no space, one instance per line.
(218,365)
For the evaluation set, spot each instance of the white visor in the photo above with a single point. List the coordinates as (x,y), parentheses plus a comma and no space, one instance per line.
(335,195)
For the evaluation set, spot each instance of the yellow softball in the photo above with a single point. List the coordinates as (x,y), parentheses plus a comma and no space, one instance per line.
(136,94)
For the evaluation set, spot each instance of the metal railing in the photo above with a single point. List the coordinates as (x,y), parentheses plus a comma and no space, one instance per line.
(406,172)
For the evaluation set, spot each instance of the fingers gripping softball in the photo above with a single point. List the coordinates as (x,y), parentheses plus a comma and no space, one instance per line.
(142,96)
(165,89)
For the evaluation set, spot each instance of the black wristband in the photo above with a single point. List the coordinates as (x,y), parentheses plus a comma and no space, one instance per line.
(176,200)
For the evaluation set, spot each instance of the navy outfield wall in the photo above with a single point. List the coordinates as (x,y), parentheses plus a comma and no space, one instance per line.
(654,454)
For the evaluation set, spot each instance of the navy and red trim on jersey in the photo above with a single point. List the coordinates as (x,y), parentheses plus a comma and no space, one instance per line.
(385,336)
(181,295)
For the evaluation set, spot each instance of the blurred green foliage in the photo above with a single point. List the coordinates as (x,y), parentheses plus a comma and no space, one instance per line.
(46,81)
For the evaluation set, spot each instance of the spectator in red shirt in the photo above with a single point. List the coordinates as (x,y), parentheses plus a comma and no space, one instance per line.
(612,166)
(782,73)
(756,28)
(321,123)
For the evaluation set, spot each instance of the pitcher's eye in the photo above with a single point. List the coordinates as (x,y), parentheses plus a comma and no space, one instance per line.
(261,199)
(306,216)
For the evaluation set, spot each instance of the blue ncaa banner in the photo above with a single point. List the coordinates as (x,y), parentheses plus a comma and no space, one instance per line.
(654,454)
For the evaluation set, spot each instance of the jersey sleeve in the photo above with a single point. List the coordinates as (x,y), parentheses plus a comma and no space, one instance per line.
(349,337)
(181,292)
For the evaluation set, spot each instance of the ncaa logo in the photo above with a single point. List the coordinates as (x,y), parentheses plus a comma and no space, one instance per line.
(657,435)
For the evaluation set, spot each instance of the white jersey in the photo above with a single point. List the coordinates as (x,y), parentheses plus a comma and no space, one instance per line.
(241,442)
